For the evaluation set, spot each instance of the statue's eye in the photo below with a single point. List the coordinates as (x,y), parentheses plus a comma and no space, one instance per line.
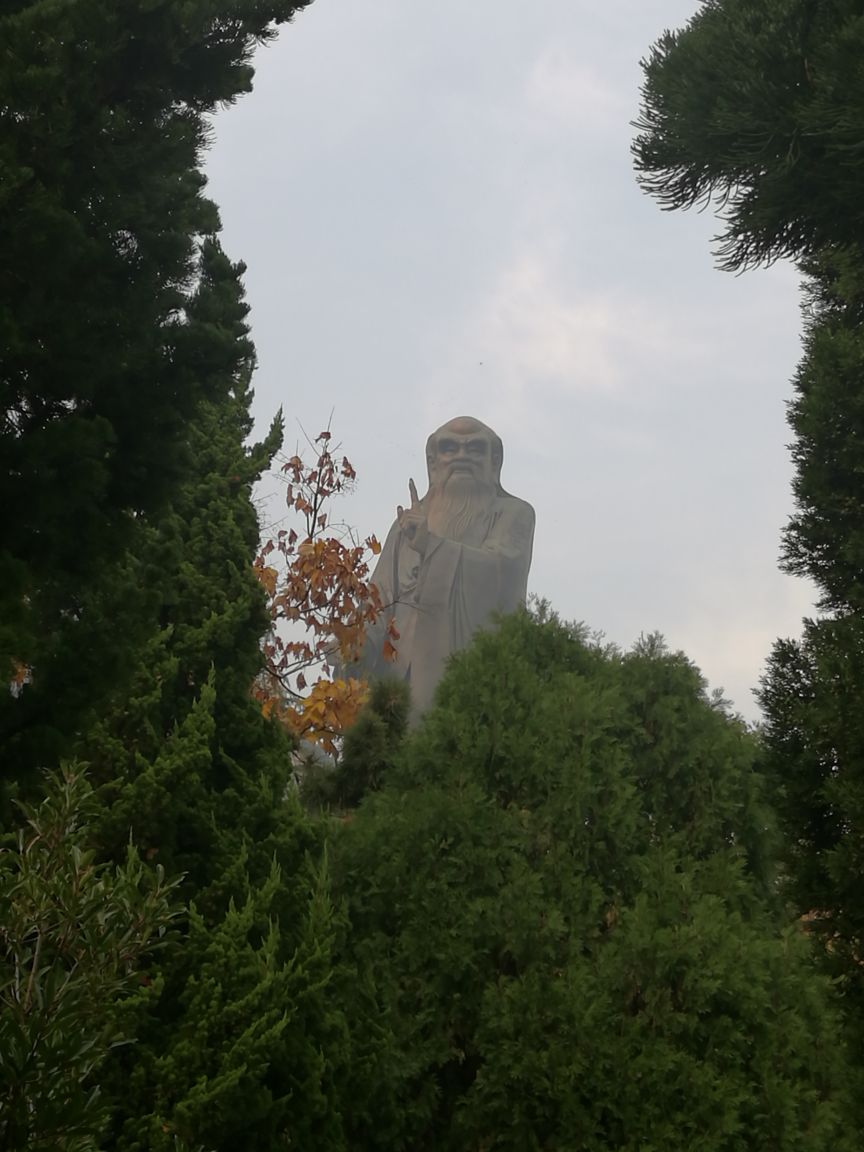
(477,447)
(448,447)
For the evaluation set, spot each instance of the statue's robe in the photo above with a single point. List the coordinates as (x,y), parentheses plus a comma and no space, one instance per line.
(442,598)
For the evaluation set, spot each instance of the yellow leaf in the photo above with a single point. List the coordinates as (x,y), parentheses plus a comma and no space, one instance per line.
(267,578)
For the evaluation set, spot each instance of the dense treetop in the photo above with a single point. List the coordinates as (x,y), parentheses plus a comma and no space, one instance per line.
(561,892)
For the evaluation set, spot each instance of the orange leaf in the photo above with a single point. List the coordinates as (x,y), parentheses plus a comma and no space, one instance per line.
(267,578)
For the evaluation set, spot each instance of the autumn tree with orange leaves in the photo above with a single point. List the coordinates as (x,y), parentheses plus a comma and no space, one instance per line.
(321,602)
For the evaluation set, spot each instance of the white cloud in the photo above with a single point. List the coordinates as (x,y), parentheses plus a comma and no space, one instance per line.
(551,342)
(542,334)
(563,89)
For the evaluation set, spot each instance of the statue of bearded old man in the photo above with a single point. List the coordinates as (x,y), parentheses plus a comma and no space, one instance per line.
(452,559)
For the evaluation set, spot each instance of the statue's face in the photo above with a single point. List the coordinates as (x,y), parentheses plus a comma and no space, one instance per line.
(463,458)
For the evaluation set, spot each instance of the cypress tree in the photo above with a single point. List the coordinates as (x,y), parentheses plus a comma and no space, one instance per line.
(103,208)
(812,688)
(236,1034)
(130,617)
(183,754)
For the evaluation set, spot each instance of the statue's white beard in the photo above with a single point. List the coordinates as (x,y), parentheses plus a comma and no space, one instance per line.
(460,510)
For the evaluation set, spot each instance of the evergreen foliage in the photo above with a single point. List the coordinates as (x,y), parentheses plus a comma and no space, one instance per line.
(102,212)
(812,688)
(130,618)
(368,751)
(183,755)
(233,1021)
(238,1039)
(562,896)
(73,934)
(759,108)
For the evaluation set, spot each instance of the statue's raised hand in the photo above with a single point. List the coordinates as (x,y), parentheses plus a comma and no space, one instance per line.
(412,521)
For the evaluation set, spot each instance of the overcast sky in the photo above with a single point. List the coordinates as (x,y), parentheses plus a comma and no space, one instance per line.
(439,214)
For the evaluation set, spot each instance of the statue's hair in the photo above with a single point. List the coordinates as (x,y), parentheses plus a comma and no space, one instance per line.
(479,426)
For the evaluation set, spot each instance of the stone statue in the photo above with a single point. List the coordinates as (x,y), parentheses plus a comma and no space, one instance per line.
(451,560)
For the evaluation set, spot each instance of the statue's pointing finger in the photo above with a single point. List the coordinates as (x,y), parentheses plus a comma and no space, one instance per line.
(413,520)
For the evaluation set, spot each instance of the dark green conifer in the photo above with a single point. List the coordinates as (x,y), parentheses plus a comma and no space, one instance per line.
(129,614)
(238,1040)
(813,687)
(758,107)
(564,900)
(183,755)
(103,121)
